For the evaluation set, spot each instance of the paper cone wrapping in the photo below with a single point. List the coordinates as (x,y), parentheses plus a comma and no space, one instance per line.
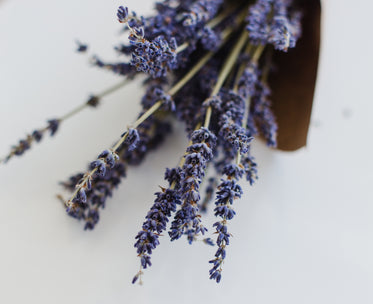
(293,81)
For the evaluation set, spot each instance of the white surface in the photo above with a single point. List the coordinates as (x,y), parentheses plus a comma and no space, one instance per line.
(303,234)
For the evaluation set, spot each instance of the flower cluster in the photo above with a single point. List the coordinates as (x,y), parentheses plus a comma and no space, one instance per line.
(150,135)
(274,22)
(203,61)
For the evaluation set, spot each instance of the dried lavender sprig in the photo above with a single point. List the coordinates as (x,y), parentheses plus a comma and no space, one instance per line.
(100,165)
(54,124)
(155,223)
(187,219)
(152,134)
(229,190)
(158,216)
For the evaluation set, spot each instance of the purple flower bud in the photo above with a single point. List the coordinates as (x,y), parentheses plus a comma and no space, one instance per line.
(132,139)
(37,135)
(122,14)
(53,125)
(100,165)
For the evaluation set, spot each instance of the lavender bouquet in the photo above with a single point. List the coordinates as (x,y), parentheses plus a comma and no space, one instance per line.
(208,64)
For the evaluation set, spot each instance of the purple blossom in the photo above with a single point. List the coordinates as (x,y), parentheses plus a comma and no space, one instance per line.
(251,168)
(231,124)
(228,191)
(176,23)
(210,40)
(248,80)
(236,135)
(92,219)
(101,187)
(214,102)
(53,125)
(257,21)
(155,223)
(37,135)
(81,47)
(285,32)
(201,11)
(263,114)
(187,220)
(173,176)
(272,22)
(209,241)
(155,57)
(122,14)
(154,94)
(132,139)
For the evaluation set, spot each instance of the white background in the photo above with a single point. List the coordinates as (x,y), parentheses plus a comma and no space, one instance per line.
(303,234)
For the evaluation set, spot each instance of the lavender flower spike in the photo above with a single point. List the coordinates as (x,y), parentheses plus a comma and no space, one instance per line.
(122,14)
(154,57)
(107,159)
(53,125)
(187,220)
(228,191)
(270,22)
(35,136)
(156,221)
(201,11)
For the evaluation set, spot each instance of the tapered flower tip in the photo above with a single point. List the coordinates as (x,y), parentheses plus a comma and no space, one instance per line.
(122,14)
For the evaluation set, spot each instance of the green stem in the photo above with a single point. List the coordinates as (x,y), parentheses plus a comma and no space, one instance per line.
(99,96)
(70,114)
(230,62)
(227,67)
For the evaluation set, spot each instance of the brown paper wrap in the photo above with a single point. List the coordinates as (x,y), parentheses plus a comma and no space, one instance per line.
(293,82)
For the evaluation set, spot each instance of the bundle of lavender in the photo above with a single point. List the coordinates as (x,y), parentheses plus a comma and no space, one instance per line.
(208,63)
